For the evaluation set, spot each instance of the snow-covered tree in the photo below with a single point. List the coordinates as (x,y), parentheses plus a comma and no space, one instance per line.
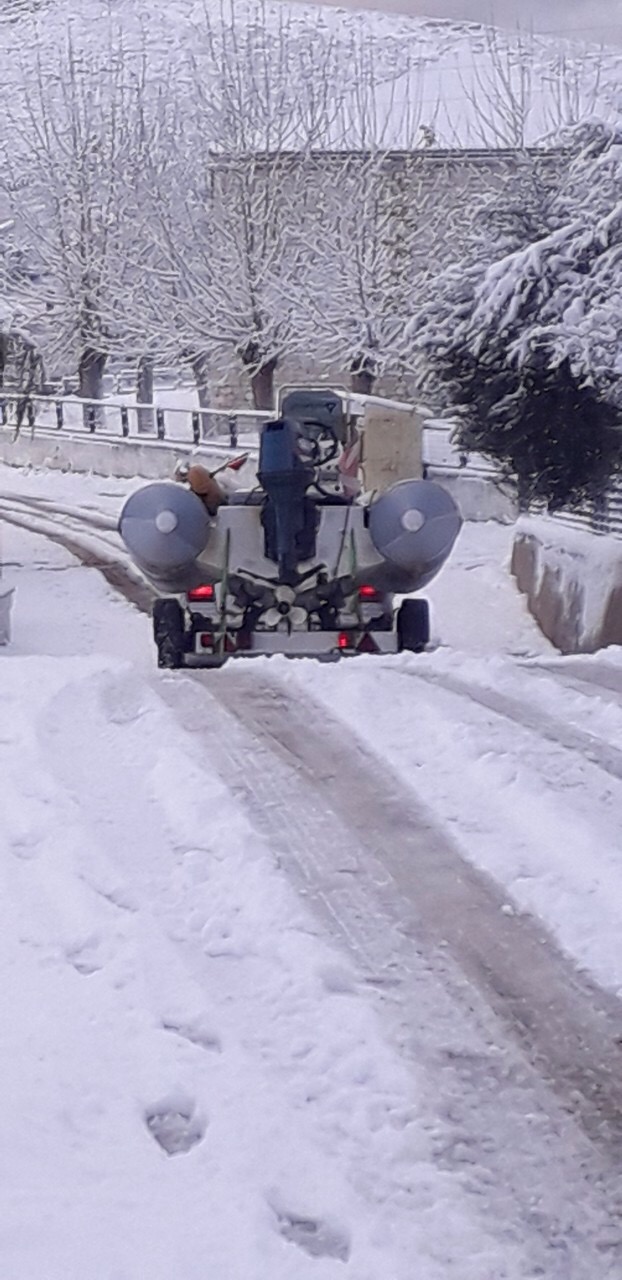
(383,227)
(286,237)
(520,88)
(266,97)
(357,283)
(70,157)
(499,86)
(220,225)
(218,185)
(529,348)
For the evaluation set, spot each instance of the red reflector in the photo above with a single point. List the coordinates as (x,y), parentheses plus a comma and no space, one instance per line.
(205,592)
(344,641)
(207,640)
(368,645)
(369,593)
(236,463)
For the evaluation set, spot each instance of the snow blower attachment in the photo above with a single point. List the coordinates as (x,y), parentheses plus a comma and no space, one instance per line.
(304,564)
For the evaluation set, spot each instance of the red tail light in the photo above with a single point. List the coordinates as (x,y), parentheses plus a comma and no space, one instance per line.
(344,641)
(369,594)
(203,593)
(207,640)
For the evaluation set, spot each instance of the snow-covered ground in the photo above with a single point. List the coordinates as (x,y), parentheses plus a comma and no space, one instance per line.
(214,1066)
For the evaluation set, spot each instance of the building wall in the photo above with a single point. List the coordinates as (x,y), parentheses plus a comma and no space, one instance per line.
(427,201)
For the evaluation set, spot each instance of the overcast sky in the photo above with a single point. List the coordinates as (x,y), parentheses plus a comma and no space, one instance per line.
(593,19)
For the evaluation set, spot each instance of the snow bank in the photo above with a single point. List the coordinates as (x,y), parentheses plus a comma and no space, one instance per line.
(573,583)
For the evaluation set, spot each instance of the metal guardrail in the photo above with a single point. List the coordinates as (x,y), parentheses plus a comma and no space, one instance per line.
(441,454)
(603,517)
(130,420)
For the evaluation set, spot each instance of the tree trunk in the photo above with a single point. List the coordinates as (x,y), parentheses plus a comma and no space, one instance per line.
(262,385)
(91,385)
(200,369)
(145,418)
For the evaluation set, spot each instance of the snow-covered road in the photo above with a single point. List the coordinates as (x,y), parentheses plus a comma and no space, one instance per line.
(301,963)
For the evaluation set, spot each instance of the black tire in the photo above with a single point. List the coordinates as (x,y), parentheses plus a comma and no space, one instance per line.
(413,625)
(168,633)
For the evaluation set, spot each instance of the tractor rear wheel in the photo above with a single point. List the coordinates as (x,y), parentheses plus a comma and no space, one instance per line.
(413,625)
(168,633)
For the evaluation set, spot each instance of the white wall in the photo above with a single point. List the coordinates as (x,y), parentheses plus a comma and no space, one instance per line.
(155,460)
(573,583)
(477,497)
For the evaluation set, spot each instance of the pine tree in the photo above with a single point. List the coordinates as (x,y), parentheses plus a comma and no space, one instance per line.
(527,350)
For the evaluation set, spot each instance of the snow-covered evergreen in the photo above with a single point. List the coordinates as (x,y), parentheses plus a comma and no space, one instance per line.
(529,347)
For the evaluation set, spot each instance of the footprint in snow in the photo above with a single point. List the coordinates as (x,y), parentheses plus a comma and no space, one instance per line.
(318,1238)
(338,980)
(86,957)
(27,846)
(175,1124)
(122,700)
(195,1031)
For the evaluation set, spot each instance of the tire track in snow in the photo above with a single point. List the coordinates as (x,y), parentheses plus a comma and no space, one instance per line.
(438,903)
(85,539)
(82,540)
(429,934)
(576,675)
(604,755)
(80,531)
(565,1021)
(90,516)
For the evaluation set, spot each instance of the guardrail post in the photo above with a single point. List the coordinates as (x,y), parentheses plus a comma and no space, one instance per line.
(4,413)
(125,421)
(233,431)
(58,407)
(160,424)
(30,414)
(196,427)
(90,417)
